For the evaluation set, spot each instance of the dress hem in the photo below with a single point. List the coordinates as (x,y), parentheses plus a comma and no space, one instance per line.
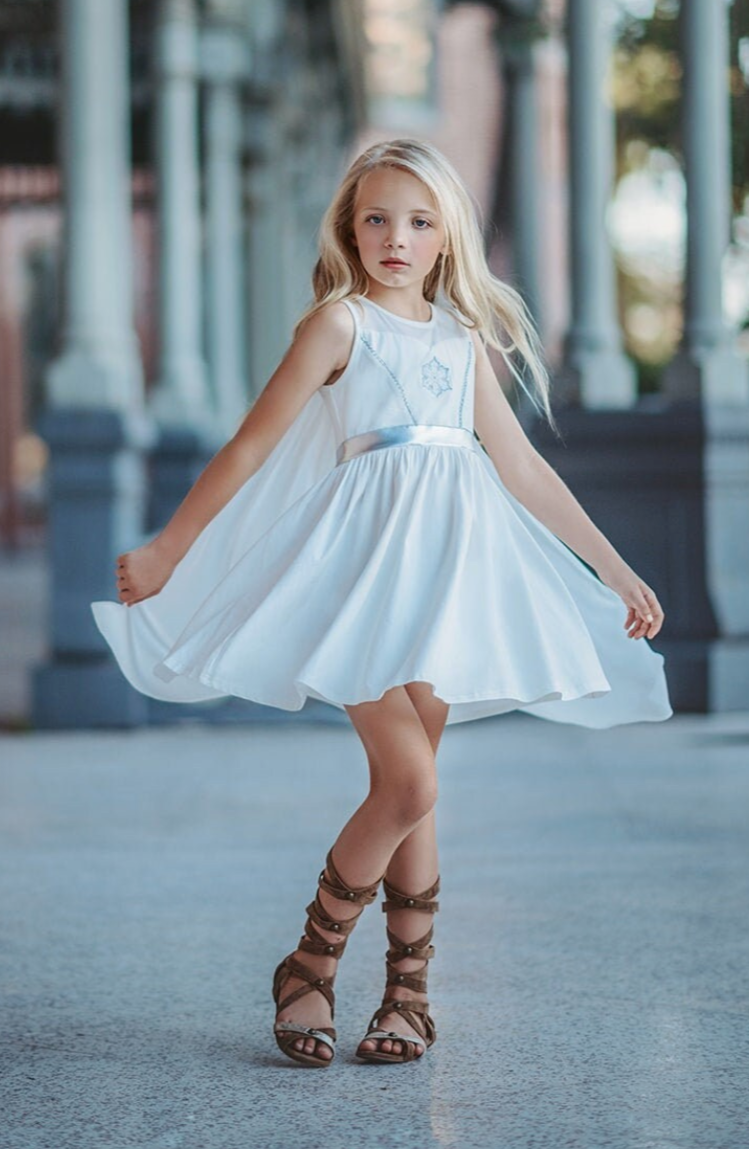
(503,703)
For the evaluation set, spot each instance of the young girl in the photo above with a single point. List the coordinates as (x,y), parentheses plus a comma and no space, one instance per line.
(356,542)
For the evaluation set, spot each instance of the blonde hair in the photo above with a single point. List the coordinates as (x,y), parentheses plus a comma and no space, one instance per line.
(461,275)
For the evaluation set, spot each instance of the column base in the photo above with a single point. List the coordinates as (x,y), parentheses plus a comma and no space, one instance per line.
(709,677)
(598,379)
(67,694)
(718,376)
(178,457)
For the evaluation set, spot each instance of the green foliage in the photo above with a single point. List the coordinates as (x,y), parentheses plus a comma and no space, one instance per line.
(646,85)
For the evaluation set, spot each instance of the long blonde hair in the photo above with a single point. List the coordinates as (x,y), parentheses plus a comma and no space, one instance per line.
(461,276)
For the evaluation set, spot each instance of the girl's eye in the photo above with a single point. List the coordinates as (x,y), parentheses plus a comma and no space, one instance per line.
(420,221)
(373,218)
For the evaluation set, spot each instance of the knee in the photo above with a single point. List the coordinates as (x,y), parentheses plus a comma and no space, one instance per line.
(409,797)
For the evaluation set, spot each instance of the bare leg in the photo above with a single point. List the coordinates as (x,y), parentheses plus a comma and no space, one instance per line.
(413,867)
(403,790)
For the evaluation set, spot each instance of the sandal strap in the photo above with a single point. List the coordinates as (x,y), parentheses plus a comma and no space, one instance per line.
(415,979)
(416,1014)
(389,1034)
(327,1034)
(337,888)
(419,948)
(312,941)
(397,900)
(409,1042)
(316,910)
(292,967)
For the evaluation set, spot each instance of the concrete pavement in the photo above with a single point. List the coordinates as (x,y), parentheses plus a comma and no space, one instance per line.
(591,978)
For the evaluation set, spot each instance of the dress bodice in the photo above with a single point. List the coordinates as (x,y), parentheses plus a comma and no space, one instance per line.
(403,371)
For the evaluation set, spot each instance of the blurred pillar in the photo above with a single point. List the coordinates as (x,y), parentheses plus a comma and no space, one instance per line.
(180,400)
(94,423)
(596,371)
(225,70)
(517,38)
(708,369)
(669,482)
(707,366)
(181,394)
(99,364)
(267,236)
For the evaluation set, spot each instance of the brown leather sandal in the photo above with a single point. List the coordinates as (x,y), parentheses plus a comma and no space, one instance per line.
(312,941)
(416,1013)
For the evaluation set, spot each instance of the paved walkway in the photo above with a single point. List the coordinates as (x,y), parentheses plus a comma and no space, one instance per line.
(591,981)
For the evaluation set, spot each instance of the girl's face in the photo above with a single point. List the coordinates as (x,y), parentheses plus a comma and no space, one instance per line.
(398,231)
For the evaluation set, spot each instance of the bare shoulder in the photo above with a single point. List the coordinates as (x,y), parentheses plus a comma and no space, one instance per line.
(333,327)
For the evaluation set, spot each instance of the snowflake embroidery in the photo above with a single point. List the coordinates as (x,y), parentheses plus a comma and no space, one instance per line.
(435,376)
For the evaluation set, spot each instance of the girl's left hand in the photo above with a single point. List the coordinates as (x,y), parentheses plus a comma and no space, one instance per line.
(142,572)
(644,612)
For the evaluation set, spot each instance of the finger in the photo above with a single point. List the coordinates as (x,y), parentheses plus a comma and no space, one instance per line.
(654,616)
(639,627)
(656,625)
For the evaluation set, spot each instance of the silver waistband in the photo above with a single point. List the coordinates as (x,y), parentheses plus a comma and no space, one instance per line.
(425,433)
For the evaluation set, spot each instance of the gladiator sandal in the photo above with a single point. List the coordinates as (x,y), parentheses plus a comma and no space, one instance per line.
(416,1013)
(312,941)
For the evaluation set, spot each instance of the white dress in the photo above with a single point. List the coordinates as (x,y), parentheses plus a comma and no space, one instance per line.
(376,546)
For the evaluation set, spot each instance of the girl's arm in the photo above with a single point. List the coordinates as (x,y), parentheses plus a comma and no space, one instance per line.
(539,488)
(321,349)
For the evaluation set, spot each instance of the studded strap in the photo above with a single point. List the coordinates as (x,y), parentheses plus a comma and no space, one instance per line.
(359,895)
(396,900)
(312,941)
(416,1014)
(292,967)
(420,949)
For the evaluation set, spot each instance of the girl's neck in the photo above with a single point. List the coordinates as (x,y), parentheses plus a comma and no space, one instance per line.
(407,305)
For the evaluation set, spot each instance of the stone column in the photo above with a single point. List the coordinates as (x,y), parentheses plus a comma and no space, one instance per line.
(708,371)
(99,364)
(267,231)
(669,482)
(597,373)
(94,423)
(225,70)
(181,394)
(517,37)
(707,366)
(180,400)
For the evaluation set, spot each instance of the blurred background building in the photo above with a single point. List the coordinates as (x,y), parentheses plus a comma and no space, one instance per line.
(163,168)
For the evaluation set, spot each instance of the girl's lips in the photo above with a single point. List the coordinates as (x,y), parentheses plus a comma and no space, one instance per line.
(394,263)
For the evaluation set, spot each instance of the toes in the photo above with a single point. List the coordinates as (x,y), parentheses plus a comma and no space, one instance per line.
(311,1046)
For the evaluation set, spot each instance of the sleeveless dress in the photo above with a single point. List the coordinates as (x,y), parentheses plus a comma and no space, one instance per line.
(376,546)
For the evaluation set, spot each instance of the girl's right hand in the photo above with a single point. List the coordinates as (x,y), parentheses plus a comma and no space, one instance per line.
(142,572)
(644,612)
